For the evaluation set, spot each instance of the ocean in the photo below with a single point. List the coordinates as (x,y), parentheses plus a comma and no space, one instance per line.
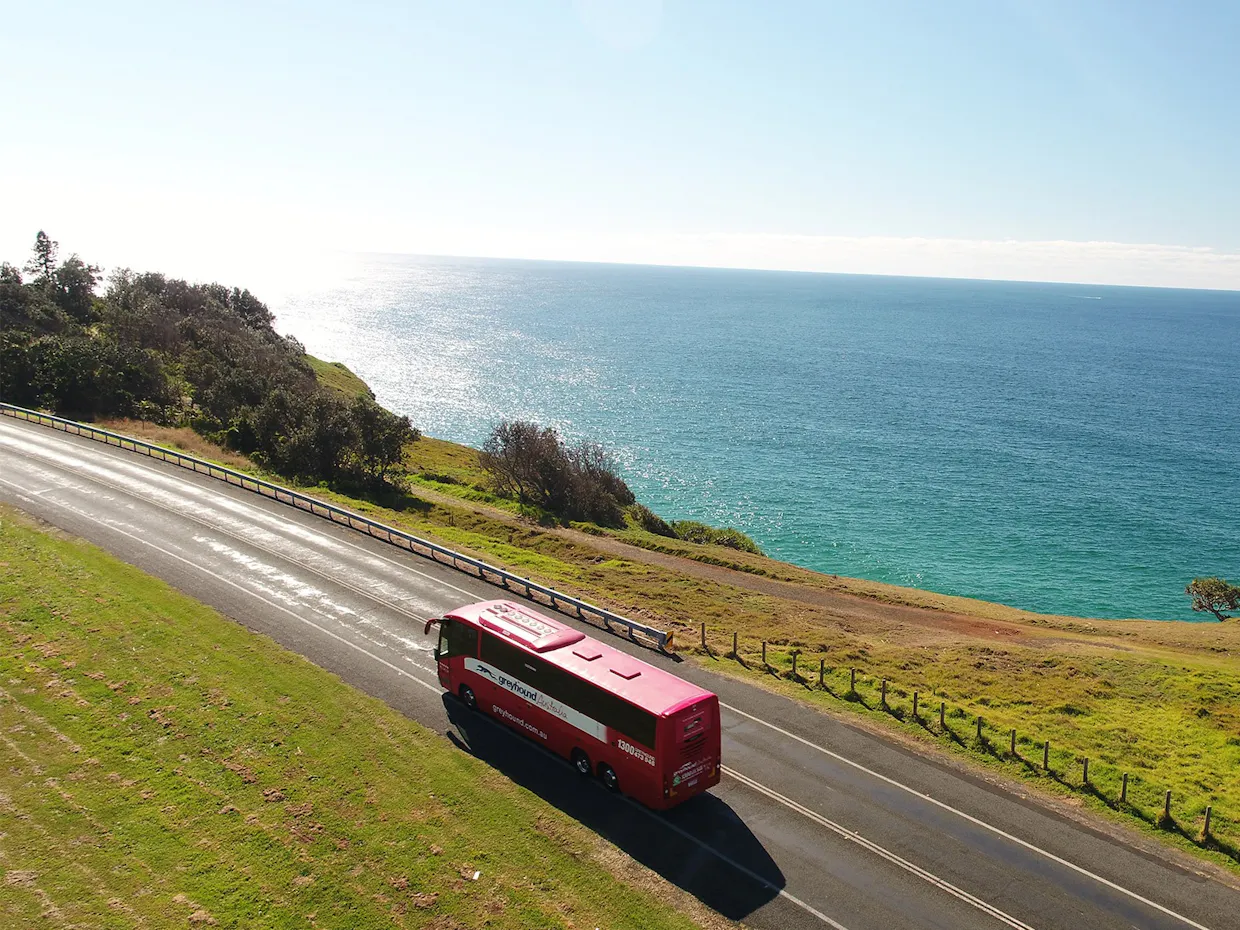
(1062,448)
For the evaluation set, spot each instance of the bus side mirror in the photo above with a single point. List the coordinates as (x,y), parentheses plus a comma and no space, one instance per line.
(426,630)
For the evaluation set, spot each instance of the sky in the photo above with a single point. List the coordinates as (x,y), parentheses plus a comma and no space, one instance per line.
(1043,140)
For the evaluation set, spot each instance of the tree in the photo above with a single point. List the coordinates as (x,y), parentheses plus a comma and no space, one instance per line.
(527,461)
(42,263)
(1213,595)
(75,288)
(381,438)
(533,464)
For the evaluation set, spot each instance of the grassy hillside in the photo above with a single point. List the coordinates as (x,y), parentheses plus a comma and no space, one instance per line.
(338,377)
(166,767)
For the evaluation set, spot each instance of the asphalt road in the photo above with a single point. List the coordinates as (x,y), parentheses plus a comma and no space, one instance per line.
(815,824)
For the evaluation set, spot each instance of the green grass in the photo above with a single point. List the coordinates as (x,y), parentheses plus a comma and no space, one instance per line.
(338,377)
(164,765)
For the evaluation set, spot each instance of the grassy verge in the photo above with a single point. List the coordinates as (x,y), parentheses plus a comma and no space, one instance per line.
(164,765)
(338,377)
(1158,700)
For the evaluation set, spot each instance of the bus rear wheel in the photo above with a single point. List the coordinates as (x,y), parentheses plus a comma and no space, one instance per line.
(609,777)
(581,762)
(467,697)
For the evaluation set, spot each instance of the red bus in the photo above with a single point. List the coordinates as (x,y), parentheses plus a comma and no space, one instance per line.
(640,729)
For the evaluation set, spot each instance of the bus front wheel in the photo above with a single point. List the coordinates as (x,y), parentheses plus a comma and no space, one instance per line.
(608,775)
(467,697)
(581,762)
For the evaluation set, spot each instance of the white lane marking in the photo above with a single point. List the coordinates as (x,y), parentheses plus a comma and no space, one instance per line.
(783,893)
(304,591)
(247,591)
(744,870)
(281,583)
(854,837)
(53,449)
(969,817)
(219,522)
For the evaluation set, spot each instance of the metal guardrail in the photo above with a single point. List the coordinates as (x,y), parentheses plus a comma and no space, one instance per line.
(659,639)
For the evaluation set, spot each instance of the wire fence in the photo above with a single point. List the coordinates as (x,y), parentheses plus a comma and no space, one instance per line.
(1121,789)
(608,620)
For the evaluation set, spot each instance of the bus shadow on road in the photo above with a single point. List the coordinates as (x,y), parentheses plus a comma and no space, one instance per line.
(702,846)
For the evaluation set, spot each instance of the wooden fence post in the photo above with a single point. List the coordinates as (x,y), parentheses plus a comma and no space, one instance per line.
(1013,740)
(822,672)
(795,653)
(703,635)
(1205,834)
(735,653)
(1046,756)
(884,694)
(852,681)
(943,715)
(1123,790)
(914,705)
(979,728)
(1167,806)
(764,653)
(1085,772)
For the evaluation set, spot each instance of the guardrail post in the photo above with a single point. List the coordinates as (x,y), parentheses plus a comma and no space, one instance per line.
(1123,790)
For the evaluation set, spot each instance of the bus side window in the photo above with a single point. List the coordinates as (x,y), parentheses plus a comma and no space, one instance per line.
(461,639)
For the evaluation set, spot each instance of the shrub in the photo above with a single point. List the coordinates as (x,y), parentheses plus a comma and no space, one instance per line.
(534,465)
(642,517)
(695,532)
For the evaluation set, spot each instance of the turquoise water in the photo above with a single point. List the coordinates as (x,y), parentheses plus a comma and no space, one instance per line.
(1062,448)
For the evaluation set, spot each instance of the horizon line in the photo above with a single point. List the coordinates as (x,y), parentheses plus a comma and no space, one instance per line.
(618,263)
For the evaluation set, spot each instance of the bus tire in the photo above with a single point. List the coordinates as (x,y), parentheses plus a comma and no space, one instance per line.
(581,762)
(468,698)
(609,777)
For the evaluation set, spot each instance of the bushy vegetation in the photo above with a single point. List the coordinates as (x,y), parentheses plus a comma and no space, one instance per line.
(642,517)
(536,466)
(695,532)
(176,353)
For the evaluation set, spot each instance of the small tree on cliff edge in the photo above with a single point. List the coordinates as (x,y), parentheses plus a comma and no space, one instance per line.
(42,263)
(1214,595)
